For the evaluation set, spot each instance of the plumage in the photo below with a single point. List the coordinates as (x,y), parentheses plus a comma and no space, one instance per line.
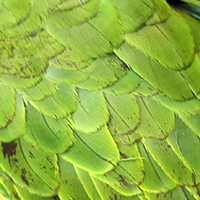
(99,99)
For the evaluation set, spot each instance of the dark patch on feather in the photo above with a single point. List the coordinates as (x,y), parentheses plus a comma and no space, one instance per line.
(123,155)
(23,176)
(123,181)
(124,66)
(9,150)
(31,155)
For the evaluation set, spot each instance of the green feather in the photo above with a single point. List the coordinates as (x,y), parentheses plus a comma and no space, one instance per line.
(99,100)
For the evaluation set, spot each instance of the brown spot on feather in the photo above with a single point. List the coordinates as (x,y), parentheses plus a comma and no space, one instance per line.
(9,150)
